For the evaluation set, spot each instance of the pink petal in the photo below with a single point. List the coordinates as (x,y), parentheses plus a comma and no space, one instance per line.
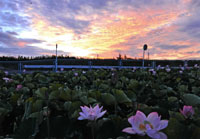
(85,109)
(82,116)
(136,120)
(156,135)
(163,124)
(131,119)
(101,114)
(135,124)
(153,119)
(129,130)
(141,114)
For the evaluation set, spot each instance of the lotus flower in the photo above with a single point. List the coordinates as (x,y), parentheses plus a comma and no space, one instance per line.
(180,71)
(154,73)
(168,69)
(75,74)
(84,72)
(150,125)
(187,111)
(151,70)
(7,79)
(182,68)
(6,72)
(158,67)
(19,86)
(90,113)
(196,66)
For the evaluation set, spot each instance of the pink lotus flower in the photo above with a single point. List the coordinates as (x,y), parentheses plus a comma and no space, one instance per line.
(182,68)
(151,70)
(75,74)
(158,67)
(154,73)
(7,79)
(196,66)
(6,72)
(187,111)
(19,86)
(180,71)
(150,125)
(168,69)
(84,72)
(90,113)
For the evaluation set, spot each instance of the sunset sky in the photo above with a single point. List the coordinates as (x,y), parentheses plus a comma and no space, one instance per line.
(85,28)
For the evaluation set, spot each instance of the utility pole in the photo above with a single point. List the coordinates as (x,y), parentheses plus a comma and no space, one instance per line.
(144,49)
(56,62)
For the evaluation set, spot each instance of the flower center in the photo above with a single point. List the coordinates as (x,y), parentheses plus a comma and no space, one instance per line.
(143,126)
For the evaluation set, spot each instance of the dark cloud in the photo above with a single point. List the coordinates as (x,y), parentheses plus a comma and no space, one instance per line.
(77,25)
(192,27)
(10,45)
(172,47)
(27,51)
(10,39)
(9,19)
(64,12)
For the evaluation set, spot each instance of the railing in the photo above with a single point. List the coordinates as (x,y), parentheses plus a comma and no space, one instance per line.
(87,64)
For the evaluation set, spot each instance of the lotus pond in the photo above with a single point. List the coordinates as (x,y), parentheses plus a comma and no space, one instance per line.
(101,104)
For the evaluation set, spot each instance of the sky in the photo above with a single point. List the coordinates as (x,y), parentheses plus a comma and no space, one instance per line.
(87,28)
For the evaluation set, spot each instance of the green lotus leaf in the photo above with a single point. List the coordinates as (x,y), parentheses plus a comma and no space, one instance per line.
(14,98)
(172,99)
(176,115)
(108,99)
(41,92)
(83,78)
(75,80)
(54,95)
(183,88)
(4,111)
(121,97)
(196,90)
(191,99)
(91,100)
(55,86)
(133,85)
(104,87)
(75,114)
(191,81)
(175,129)
(65,95)
(75,106)
(131,95)
(30,85)
(67,105)
(25,90)
(119,85)
(28,78)
(84,99)
(38,116)
(37,105)
(94,94)
(25,129)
